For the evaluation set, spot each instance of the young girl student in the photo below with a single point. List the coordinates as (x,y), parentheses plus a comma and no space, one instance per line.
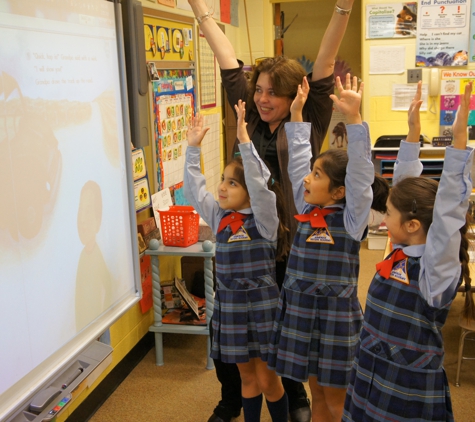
(246,223)
(398,373)
(319,315)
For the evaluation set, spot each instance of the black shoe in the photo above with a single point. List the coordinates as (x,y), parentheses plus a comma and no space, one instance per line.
(302,414)
(215,418)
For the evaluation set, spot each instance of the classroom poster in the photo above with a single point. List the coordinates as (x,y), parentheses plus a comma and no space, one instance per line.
(338,137)
(173,102)
(167,40)
(207,74)
(452,87)
(472,33)
(442,34)
(392,20)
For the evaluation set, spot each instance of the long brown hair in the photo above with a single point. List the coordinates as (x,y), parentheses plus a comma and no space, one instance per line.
(283,244)
(414,198)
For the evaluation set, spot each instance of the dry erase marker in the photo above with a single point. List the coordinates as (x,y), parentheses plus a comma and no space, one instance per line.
(76,373)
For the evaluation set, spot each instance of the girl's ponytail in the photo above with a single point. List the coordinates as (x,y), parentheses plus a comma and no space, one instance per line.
(283,233)
(468,311)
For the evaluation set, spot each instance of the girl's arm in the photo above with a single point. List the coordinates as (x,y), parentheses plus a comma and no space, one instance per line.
(408,163)
(440,264)
(300,153)
(360,170)
(194,182)
(263,201)
(217,40)
(298,138)
(325,61)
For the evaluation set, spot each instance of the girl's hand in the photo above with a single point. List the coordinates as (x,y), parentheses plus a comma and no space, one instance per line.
(459,128)
(242,134)
(350,99)
(299,101)
(414,116)
(196,133)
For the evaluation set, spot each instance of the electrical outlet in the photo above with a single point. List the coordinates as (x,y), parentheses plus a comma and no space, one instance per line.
(414,75)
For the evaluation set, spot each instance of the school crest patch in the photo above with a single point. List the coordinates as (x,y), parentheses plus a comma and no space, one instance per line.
(399,272)
(240,236)
(321,235)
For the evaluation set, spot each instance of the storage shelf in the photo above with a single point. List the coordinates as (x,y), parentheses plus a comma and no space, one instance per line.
(385,158)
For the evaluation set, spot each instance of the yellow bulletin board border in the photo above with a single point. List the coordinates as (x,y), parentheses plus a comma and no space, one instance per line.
(170,39)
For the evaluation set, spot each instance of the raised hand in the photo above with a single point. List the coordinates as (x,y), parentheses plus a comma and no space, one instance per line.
(242,134)
(196,133)
(414,117)
(299,101)
(350,99)
(459,128)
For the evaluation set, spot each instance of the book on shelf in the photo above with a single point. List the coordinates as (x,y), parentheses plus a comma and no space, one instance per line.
(193,310)
(185,316)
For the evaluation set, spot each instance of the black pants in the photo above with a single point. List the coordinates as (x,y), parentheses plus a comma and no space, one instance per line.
(228,375)
(230,404)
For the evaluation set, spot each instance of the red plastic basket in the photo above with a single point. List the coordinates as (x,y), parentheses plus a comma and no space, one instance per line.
(180,226)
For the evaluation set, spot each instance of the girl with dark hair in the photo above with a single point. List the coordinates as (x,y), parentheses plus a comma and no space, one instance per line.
(398,370)
(246,222)
(270,92)
(319,315)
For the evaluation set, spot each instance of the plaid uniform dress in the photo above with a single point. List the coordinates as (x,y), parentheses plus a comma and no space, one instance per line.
(246,296)
(319,316)
(398,373)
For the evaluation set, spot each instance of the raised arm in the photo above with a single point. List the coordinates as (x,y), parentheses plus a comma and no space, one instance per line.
(440,275)
(241,134)
(194,182)
(459,128)
(408,163)
(413,116)
(350,99)
(330,44)
(299,101)
(359,170)
(217,40)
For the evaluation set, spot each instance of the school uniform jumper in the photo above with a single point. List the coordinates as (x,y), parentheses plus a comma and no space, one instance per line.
(246,292)
(319,315)
(398,374)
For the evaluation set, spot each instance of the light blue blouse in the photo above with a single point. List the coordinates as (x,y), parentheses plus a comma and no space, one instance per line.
(263,202)
(440,272)
(359,174)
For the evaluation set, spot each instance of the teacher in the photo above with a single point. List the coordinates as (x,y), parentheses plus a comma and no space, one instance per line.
(269,94)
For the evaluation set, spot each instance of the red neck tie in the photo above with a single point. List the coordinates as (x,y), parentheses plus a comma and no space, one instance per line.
(316,216)
(385,267)
(234,220)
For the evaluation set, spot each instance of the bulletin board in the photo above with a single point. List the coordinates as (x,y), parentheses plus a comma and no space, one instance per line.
(170,46)
(452,88)
(173,110)
(208,74)
(168,38)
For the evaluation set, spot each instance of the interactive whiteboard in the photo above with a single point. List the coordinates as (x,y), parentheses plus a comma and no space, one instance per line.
(68,253)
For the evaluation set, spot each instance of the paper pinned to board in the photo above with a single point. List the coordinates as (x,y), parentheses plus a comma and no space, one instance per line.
(404,93)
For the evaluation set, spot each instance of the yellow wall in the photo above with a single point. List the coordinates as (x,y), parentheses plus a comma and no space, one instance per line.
(378,89)
(310,25)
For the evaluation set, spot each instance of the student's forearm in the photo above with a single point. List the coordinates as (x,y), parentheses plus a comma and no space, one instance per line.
(414,134)
(330,44)
(216,38)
